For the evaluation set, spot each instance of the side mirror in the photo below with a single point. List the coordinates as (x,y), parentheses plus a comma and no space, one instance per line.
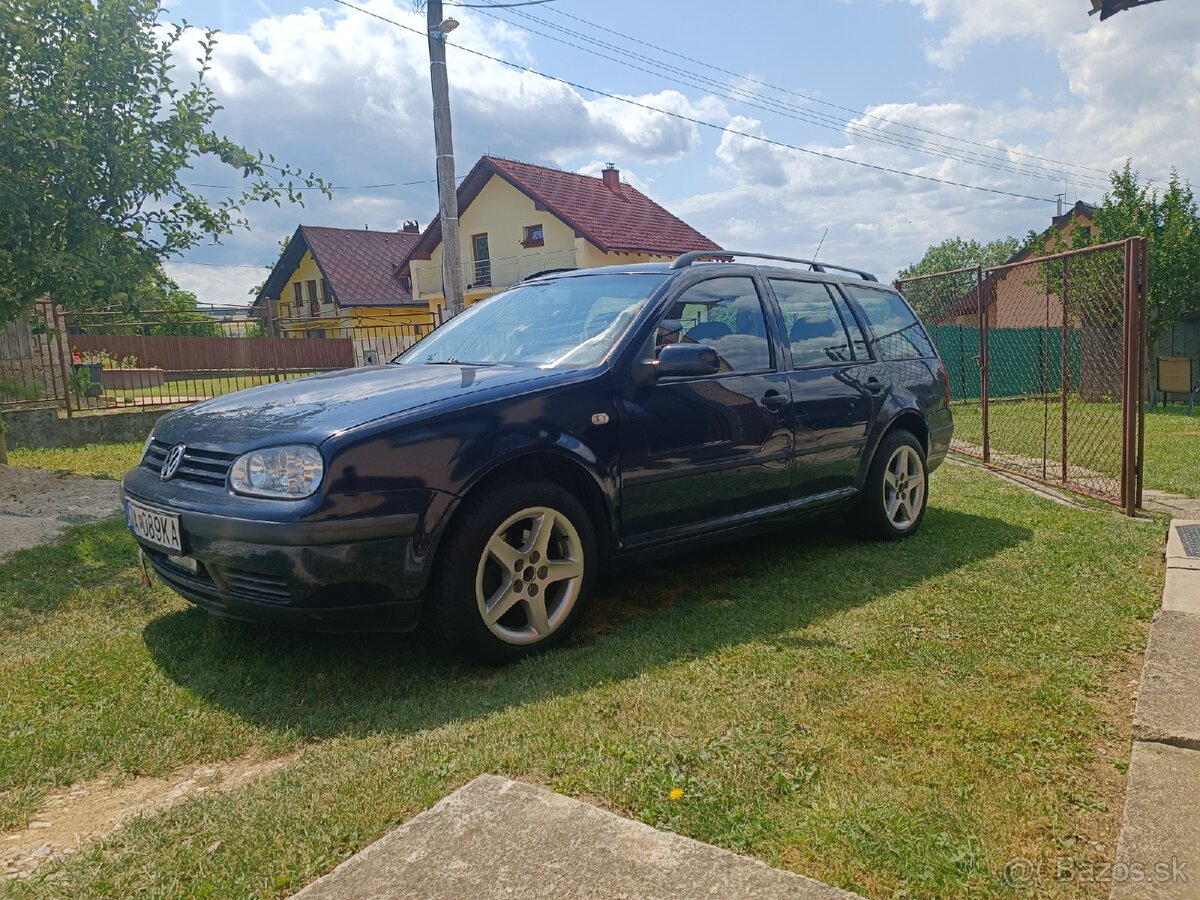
(675,360)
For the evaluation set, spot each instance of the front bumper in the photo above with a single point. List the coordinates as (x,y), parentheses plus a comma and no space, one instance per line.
(365,572)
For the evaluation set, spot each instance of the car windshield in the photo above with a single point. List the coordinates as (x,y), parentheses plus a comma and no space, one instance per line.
(559,323)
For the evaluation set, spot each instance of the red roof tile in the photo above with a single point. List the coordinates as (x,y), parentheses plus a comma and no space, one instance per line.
(624,221)
(362,266)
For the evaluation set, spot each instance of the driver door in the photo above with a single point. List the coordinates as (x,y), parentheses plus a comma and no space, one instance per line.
(702,452)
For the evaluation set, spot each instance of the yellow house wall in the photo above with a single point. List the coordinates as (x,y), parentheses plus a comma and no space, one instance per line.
(502,212)
(589,256)
(306,271)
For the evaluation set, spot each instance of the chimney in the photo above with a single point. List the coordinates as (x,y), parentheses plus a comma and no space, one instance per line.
(611,176)
(410,227)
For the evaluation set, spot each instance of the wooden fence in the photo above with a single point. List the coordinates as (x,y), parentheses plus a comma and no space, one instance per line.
(198,354)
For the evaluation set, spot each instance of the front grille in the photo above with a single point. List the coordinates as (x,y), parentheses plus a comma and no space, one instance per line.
(254,586)
(202,466)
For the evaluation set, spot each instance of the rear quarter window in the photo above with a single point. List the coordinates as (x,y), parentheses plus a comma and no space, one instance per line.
(898,332)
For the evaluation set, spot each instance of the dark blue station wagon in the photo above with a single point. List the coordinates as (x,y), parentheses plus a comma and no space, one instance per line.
(571,423)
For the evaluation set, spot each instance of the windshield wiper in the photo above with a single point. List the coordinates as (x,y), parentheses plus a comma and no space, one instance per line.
(453,361)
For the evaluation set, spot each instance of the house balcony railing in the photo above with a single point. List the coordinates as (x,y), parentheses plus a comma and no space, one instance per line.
(493,274)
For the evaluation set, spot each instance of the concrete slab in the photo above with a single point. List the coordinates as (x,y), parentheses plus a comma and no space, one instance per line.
(1181,590)
(1177,505)
(37,506)
(497,838)
(1167,708)
(22,532)
(1175,549)
(1158,855)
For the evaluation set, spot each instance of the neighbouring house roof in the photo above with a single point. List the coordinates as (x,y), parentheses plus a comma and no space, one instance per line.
(969,305)
(615,221)
(362,267)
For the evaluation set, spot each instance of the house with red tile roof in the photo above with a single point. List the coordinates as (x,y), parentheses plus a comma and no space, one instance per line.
(346,282)
(517,219)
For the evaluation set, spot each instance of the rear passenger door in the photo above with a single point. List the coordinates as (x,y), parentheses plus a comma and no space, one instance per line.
(834,385)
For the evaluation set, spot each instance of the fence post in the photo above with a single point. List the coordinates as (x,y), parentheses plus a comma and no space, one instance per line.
(64,351)
(982,282)
(1143,354)
(1066,372)
(272,324)
(1130,357)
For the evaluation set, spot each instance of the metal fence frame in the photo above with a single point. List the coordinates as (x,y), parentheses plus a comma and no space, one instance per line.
(974,294)
(98,361)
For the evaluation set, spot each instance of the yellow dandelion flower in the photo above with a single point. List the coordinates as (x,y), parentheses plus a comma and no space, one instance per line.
(677,793)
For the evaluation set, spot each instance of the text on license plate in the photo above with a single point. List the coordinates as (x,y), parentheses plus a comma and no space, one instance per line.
(156,527)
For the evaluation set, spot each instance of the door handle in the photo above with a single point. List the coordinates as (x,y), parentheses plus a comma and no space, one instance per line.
(874,385)
(774,400)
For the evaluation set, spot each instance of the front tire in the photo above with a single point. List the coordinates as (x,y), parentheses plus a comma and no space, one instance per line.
(516,571)
(896,493)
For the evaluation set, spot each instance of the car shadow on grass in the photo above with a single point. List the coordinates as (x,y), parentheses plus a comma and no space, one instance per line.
(765,588)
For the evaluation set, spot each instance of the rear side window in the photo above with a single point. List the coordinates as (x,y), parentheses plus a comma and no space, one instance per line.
(897,331)
(815,329)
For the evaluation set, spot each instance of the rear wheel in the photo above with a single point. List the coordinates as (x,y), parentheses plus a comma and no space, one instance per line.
(892,505)
(516,572)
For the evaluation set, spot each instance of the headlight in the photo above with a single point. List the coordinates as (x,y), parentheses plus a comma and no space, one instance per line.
(288,473)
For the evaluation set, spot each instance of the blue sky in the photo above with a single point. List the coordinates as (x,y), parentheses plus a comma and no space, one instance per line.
(330,89)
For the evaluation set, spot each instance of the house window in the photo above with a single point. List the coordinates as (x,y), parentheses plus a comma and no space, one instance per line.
(534,236)
(298,296)
(314,303)
(325,292)
(315,333)
(483,261)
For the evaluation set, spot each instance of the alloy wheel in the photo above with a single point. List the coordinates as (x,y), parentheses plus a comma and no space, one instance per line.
(903,488)
(529,575)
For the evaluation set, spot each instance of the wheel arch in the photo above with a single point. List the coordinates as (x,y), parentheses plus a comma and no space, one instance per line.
(907,419)
(557,466)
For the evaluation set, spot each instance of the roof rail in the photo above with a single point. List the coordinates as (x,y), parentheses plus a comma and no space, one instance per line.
(686,259)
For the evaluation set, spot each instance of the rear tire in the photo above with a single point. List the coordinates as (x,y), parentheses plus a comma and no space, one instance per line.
(896,494)
(516,571)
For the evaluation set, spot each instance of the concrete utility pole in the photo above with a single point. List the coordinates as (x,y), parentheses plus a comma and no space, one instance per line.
(452,274)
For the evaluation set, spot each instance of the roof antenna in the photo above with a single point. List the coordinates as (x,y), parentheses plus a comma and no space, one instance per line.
(820,244)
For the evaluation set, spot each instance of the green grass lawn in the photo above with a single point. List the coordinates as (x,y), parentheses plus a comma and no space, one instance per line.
(1029,428)
(101,460)
(897,719)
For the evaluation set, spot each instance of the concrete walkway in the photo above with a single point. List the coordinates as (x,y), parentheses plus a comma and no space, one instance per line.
(1158,855)
(497,838)
(37,506)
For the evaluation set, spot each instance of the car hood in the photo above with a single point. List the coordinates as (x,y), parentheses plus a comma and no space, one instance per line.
(309,410)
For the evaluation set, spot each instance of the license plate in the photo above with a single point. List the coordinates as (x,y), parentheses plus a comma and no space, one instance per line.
(154,526)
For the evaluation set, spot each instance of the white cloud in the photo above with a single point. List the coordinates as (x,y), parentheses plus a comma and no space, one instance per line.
(973,21)
(217,285)
(348,96)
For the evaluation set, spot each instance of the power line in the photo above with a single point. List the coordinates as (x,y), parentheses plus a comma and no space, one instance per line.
(799,113)
(499,5)
(701,122)
(346,187)
(817,100)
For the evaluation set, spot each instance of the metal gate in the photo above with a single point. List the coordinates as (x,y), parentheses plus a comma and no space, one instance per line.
(1047,359)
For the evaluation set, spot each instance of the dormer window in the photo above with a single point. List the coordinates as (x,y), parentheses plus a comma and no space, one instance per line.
(534,236)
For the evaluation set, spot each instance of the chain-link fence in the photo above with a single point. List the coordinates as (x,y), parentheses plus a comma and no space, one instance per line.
(1046,360)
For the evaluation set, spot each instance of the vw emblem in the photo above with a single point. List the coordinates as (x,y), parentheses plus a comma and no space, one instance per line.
(171,464)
